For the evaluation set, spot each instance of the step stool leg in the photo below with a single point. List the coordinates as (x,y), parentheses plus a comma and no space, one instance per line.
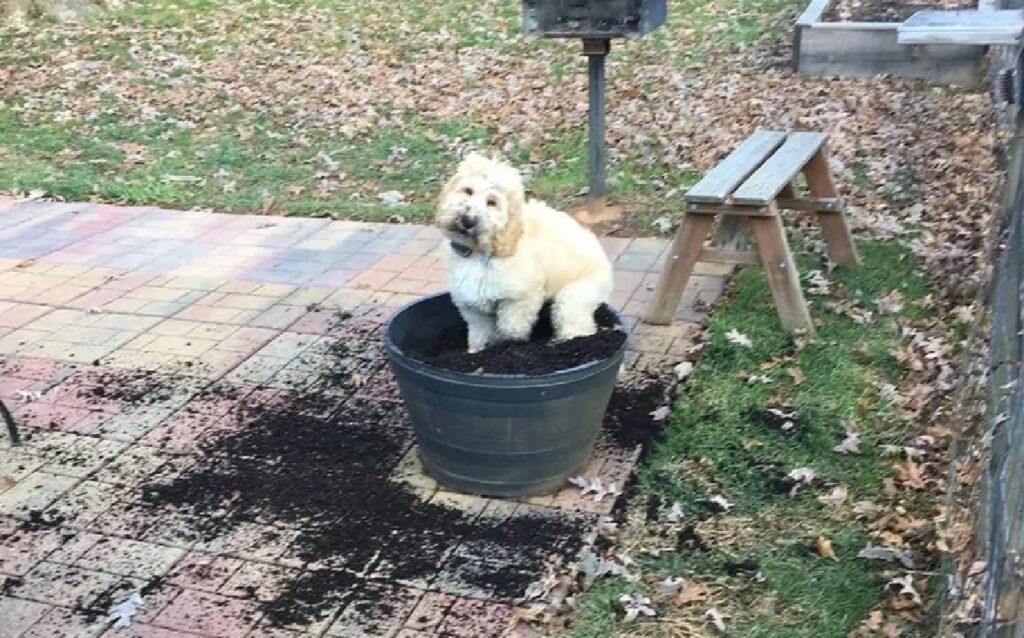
(841,249)
(682,257)
(782,273)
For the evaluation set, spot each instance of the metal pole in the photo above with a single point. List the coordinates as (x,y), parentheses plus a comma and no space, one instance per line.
(596,50)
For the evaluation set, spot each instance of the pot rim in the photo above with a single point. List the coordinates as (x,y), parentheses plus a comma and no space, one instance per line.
(568,374)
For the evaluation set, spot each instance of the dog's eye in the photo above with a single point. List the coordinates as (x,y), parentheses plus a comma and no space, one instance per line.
(468,191)
(491,201)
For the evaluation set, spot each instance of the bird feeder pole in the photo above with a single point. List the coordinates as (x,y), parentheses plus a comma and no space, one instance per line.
(596,51)
(595,22)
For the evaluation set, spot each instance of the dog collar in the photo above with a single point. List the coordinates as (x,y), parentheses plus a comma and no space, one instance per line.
(462,250)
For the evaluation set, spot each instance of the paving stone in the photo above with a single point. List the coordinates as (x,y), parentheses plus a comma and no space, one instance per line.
(381,613)
(61,622)
(429,612)
(76,544)
(24,546)
(280,316)
(468,618)
(34,492)
(18,615)
(138,630)
(203,571)
(131,558)
(16,315)
(258,581)
(85,502)
(60,584)
(133,466)
(209,614)
(133,425)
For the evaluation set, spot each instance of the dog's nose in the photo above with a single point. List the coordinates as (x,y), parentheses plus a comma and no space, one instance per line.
(467,222)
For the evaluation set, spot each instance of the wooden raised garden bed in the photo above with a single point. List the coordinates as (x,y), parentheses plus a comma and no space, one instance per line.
(865,48)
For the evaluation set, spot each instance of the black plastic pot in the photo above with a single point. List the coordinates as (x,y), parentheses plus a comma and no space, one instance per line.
(496,434)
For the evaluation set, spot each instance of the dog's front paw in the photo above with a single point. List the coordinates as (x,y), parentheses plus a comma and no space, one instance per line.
(477,344)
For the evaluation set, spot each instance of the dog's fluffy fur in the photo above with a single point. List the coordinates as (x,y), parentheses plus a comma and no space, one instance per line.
(523,254)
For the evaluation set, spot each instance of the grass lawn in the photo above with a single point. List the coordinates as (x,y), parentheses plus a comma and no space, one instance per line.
(759,563)
(298,107)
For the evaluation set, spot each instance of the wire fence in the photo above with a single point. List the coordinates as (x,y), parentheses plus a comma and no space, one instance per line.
(1001,523)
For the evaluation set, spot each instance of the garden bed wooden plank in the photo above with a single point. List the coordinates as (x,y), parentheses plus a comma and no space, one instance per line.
(963,27)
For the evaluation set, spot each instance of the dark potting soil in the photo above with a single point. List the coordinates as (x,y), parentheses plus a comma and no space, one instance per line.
(329,480)
(539,355)
(628,422)
(886,10)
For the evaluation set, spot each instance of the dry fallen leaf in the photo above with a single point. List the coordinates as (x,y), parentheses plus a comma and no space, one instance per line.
(825,548)
(891,303)
(675,513)
(692,592)
(797,374)
(392,198)
(874,620)
(716,618)
(740,339)
(801,476)
(123,612)
(28,396)
(837,496)
(720,503)
(850,444)
(903,587)
(635,605)
(890,554)
(683,370)
(595,487)
(663,225)
(910,474)
(660,414)
(671,585)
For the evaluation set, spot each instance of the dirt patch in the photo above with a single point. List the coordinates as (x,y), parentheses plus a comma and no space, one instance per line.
(628,422)
(325,479)
(539,355)
(886,10)
(310,471)
(328,480)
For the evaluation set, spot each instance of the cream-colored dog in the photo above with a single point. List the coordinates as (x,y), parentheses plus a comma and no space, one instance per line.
(508,256)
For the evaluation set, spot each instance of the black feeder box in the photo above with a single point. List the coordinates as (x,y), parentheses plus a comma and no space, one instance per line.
(592,19)
(596,23)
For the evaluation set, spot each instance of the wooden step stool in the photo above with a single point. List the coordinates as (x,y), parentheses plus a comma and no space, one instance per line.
(750,186)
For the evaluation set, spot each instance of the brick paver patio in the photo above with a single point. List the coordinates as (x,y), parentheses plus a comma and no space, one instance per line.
(140,347)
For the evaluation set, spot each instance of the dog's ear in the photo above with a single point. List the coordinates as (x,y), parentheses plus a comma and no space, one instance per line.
(506,240)
(447,189)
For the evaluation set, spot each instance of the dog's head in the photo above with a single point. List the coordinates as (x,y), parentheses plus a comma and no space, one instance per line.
(481,206)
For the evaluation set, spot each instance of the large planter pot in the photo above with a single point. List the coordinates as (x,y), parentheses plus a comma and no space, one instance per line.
(495,434)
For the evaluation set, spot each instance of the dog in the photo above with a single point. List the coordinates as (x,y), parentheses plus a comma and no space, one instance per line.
(508,256)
